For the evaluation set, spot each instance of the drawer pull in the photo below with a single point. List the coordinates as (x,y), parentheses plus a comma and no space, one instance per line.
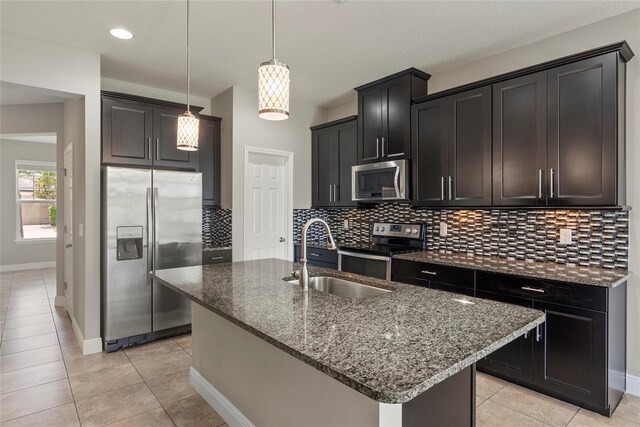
(215,257)
(314,254)
(538,334)
(433,273)
(527,288)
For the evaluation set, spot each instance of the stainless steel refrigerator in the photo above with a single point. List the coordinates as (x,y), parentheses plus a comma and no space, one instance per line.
(151,219)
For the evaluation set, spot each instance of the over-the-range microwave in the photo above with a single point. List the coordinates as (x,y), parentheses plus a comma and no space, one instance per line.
(379,182)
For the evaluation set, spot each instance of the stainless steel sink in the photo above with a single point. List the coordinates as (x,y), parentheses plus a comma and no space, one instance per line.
(342,288)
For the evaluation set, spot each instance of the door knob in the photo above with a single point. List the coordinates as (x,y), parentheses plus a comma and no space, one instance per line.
(68,245)
(282,239)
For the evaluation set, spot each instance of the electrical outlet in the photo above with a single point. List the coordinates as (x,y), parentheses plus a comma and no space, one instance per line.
(443,229)
(345,225)
(565,236)
(81,229)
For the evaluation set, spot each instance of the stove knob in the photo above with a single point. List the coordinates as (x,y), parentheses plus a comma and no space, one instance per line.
(377,228)
(381,228)
(415,231)
(408,230)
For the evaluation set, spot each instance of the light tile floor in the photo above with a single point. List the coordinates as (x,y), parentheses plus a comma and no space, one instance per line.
(45,379)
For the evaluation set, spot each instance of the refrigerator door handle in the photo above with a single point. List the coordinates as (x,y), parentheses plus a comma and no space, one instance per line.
(156,245)
(149,236)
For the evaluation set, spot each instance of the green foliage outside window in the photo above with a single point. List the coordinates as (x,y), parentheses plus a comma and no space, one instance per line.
(45,187)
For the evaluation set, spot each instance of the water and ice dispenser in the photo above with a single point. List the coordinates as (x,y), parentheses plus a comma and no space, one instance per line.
(129,242)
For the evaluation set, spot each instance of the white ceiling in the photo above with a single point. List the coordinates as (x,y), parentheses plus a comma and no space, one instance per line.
(330,47)
(23,95)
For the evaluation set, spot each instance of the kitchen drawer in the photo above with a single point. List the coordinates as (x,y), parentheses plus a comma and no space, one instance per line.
(317,255)
(450,288)
(576,295)
(440,274)
(216,256)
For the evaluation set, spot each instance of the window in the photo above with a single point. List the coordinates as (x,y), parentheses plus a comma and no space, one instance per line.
(36,217)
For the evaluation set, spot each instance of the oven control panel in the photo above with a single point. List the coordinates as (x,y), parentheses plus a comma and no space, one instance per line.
(385,229)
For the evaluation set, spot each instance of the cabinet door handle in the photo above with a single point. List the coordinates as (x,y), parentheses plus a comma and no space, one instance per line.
(450,187)
(539,183)
(433,273)
(551,183)
(382,146)
(527,288)
(314,254)
(377,148)
(442,188)
(213,258)
(330,193)
(538,334)
(149,147)
(157,148)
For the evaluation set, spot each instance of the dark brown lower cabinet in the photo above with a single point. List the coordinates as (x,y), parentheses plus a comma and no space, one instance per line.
(578,355)
(570,358)
(319,257)
(514,360)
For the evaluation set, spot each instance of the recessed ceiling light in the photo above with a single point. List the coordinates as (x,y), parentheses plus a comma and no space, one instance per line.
(121,33)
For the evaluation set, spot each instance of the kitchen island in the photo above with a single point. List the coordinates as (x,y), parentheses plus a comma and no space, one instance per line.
(265,353)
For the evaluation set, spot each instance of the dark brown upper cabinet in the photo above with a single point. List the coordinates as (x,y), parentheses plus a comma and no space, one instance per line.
(334,151)
(127,131)
(520,141)
(556,136)
(165,138)
(452,150)
(583,132)
(384,115)
(139,131)
(209,159)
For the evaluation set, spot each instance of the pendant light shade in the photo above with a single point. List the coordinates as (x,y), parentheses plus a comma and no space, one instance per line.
(188,124)
(273,82)
(188,127)
(273,90)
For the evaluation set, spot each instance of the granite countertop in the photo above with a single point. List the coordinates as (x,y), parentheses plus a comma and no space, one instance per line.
(390,347)
(604,277)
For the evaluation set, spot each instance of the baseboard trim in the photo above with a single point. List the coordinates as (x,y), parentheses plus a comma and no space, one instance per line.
(633,385)
(231,415)
(28,266)
(91,346)
(60,301)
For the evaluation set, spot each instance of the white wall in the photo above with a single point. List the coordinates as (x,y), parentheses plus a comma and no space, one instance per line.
(42,64)
(291,135)
(12,252)
(40,118)
(343,110)
(222,106)
(154,92)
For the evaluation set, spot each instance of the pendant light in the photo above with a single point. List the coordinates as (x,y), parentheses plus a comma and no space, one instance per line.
(273,82)
(188,124)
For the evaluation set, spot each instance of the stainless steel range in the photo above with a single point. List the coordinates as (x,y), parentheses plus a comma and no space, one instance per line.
(374,258)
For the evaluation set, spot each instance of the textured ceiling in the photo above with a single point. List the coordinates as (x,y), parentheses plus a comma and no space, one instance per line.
(330,47)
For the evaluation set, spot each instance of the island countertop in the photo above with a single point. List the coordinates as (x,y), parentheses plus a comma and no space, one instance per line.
(390,347)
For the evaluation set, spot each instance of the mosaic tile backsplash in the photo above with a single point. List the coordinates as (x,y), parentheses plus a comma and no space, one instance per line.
(600,237)
(216,227)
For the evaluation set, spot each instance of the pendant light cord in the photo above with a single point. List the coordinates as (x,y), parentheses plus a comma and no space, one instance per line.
(273,27)
(188,75)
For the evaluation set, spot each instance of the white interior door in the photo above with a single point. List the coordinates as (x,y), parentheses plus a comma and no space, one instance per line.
(266,206)
(68,228)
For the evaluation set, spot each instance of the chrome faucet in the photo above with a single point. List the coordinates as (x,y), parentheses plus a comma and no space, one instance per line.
(304,272)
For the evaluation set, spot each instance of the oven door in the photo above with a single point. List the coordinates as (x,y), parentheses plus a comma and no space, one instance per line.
(379,181)
(365,264)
